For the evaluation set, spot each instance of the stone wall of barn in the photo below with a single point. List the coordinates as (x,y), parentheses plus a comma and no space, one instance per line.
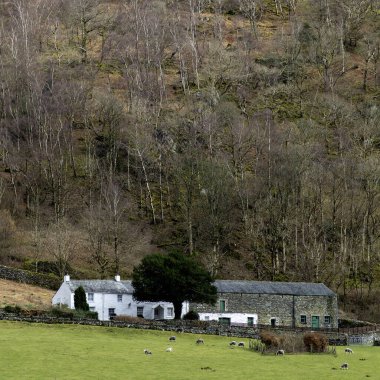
(283,310)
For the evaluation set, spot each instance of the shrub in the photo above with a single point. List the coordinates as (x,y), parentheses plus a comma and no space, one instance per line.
(257,346)
(191,316)
(83,314)
(270,340)
(315,342)
(62,313)
(80,300)
(13,309)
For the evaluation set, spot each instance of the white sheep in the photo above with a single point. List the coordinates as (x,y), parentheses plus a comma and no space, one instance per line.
(348,350)
(344,366)
(280,352)
(169,349)
(147,352)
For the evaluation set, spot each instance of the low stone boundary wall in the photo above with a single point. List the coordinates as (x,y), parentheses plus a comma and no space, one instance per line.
(180,326)
(31,278)
(173,326)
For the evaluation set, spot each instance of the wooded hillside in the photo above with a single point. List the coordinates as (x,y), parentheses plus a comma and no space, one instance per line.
(243,132)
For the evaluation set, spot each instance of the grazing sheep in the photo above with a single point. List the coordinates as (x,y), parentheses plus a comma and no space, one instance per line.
(147,352)
(280,352)
(241,344)
(233,343)
(348,350)
(172,338)
(200,341)
(344,366)
(169,349)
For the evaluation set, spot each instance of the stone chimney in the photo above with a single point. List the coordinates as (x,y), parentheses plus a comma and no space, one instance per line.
(66,278)
(117,278)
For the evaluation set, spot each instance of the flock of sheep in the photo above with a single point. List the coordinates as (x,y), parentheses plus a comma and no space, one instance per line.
(233,343)
(198,341)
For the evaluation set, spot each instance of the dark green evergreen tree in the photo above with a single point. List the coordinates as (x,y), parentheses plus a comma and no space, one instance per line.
(173,278)
(80,300)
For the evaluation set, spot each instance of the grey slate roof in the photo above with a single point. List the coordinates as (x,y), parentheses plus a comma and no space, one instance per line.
(223,286)
(267,287)
(103,286)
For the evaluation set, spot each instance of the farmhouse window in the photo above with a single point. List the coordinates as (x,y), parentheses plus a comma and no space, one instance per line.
(170,311)
(111,312)
(222,306)
(327,319)
(119,298)
(90,296)
(303,319)
(140,311)
(250,321)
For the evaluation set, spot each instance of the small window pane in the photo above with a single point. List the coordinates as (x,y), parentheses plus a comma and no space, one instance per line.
(303,319)
(119,298)
(140,311)
(90,296)
(170,311)
(327,319)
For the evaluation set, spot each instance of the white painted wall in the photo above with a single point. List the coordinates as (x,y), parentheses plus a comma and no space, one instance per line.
(64,296)
(238,318)
(103,302)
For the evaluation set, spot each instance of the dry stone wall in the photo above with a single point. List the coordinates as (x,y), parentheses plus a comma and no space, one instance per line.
(27,277)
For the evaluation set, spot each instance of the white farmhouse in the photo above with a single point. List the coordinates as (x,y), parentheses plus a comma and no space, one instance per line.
(113,297)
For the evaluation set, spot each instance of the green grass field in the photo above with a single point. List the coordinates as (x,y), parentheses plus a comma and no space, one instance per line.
(33,351)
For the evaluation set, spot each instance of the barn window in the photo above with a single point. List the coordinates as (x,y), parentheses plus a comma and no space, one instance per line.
(250,321)
(90,296)
(225,321)
(222,306)
(140,311)
(303,319)
(119,298)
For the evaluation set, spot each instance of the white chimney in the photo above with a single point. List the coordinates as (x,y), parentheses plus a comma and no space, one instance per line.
(66,278)
(117,278)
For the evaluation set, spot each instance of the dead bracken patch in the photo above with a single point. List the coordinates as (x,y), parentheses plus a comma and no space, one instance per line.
(24,295)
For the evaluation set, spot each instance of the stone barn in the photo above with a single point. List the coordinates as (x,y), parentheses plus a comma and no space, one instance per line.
(293,304)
